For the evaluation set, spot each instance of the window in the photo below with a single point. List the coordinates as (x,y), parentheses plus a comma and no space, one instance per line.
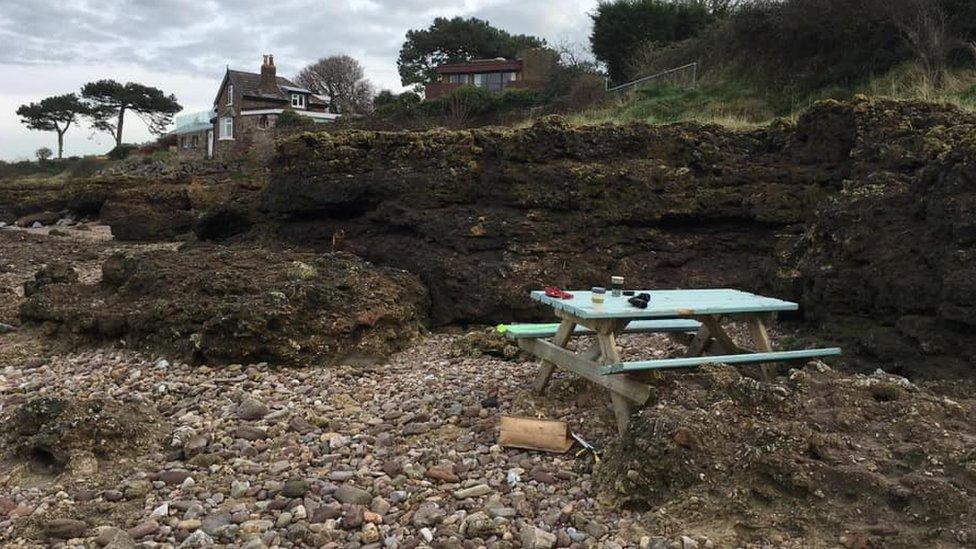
(264,122)
(459,79)
(195,141)
(226,128)
(230,94)
(492,81)
(298,100)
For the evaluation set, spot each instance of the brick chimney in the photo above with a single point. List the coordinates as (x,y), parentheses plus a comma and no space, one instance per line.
(269,80)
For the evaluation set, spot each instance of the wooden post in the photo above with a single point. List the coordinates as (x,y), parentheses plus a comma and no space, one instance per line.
(699,342)
(546,368)
(757,329)
(718,333)
(610,355)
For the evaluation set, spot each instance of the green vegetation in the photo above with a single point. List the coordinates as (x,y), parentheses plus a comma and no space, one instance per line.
(56,113)
(738,104)
(109,100)
(455,40)
(758,60)
(620,27)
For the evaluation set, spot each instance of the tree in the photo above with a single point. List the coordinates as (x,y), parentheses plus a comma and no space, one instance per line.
(620,27)
(55,113)
(342,79)
(452,41)
(108,100)
(43,154)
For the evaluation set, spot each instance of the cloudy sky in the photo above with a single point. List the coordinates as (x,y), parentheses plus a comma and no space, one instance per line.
(182,46)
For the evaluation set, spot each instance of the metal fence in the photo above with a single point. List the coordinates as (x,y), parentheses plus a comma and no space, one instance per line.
(685,75)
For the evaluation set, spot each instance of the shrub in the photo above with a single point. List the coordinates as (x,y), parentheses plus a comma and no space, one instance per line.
(121,152)
(621,26)
(290,120)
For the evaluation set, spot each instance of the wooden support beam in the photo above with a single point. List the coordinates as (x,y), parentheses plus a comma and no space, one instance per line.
(631,390)
(546,367)
(719,334)
(760,336)
(610,355)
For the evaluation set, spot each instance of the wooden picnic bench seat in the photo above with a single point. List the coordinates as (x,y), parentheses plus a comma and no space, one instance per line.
(688,362)
(677,325)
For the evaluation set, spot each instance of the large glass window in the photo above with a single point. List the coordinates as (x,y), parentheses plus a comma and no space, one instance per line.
(492,81)
(227,128)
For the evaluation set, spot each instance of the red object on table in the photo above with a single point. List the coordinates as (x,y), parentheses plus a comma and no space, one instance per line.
(555,292)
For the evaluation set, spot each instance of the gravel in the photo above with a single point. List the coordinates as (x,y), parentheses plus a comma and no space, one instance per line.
(392,455)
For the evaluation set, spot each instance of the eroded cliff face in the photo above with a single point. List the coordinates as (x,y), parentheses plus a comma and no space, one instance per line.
(861,211)
(484,216)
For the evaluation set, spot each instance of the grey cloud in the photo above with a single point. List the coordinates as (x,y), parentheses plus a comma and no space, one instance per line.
(196,37)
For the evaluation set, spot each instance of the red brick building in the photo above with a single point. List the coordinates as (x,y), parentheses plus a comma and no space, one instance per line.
(247,107)
(532,69)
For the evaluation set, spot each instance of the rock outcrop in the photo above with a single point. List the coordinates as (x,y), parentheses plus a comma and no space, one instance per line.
(228,304)
(862,211)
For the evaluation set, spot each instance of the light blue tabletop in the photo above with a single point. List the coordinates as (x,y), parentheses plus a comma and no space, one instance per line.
(667,304)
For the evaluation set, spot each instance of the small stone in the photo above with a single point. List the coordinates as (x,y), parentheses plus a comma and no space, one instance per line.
(256,526)
(370,533)
(284,519)
(428,514)
(479,525)
(537,538)
(65,528)
(596,529)
(415,429)
(444,473)
(197,539)
(353,518)
(300,425)
(251,409)
(112,495)
(295,488)
(213,524)
(238,487)
(196,445)
(144,529)
(347,493)
(327,512)
(189,525)
(688,543)
(112,537)
(174,476)
(161,511)
(473,492)
(427,535)
(135,489)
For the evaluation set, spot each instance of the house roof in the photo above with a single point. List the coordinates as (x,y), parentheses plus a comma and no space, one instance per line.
(481,65)
(249,83)
(192,128)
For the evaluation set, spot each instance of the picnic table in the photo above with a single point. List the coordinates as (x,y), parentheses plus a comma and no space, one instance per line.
(692,317)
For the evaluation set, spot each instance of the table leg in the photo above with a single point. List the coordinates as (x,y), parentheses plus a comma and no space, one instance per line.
(757,329)
(546,368)
(719,334)
(622,408)
(699,342)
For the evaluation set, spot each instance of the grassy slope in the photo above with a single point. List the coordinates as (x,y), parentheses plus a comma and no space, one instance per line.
(740,105)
